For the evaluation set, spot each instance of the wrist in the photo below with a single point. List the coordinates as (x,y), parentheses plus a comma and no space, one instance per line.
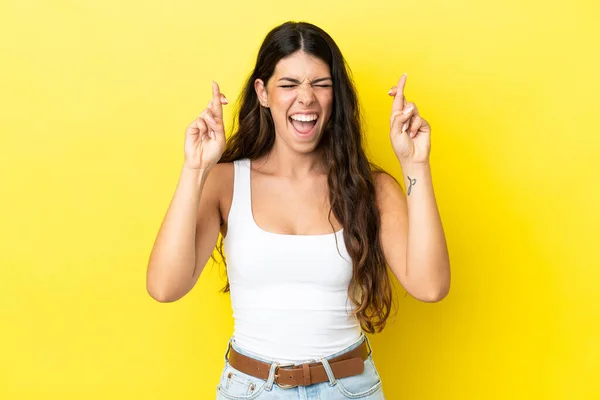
(415,168)
(198,175)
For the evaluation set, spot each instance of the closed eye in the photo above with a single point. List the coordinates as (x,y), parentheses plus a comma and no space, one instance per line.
(291,86)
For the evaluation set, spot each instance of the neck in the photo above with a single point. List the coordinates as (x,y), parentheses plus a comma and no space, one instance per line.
(284,161)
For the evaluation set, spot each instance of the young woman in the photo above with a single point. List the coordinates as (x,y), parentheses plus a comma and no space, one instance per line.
(309,225)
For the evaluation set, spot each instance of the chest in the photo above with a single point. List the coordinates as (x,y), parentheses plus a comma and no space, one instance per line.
(265,259)
(292,208)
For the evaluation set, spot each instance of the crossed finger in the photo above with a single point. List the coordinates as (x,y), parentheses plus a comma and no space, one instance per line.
(216,103)
(207,117)
(398,93)
(414,113)
(202,126)
(415,125)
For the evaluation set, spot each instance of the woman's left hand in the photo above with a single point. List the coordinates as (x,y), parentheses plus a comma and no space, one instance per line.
(409,132)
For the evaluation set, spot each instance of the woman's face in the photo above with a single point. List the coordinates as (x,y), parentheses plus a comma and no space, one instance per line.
(300,97)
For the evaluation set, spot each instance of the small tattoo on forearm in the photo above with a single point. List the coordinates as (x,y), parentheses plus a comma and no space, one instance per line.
(412,182)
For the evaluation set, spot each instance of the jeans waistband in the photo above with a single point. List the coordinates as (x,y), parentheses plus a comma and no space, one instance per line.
(262,358)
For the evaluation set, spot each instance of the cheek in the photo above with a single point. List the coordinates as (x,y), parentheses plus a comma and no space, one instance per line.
(281,106)
(283,100)
(325,98)
(326,102)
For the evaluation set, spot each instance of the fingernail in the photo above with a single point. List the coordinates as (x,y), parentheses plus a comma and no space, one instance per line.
(407,109)
(225,101)
(390,92)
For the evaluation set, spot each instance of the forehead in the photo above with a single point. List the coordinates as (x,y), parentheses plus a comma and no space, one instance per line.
(300,66)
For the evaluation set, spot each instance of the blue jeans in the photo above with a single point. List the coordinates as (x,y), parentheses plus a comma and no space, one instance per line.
(235,385)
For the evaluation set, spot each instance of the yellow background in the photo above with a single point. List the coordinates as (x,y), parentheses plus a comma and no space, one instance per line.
(94,100)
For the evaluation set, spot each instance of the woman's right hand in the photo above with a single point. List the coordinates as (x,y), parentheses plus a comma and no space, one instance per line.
(205,136)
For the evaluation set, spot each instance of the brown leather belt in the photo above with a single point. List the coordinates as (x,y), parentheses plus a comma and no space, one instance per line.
(346,364)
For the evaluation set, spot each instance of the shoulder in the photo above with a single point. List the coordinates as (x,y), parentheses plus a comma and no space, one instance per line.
(218,183)
(388,192)
(220,178)
(223,170)
(218,188)
(385,182)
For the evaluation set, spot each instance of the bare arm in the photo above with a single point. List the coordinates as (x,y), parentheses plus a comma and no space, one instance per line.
(187,236)
(412,236)
(189,231)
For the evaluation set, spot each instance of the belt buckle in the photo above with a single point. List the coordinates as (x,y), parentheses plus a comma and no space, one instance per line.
(283,385)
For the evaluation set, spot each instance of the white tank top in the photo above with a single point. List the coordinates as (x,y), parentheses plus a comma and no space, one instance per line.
(289,293)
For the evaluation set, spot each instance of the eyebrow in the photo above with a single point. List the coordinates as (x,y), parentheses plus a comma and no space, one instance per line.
(327,78)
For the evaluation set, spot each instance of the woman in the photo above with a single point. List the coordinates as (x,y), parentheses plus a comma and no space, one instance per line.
(308,224)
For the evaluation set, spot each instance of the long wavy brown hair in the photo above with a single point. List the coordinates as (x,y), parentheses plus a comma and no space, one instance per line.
(350,174)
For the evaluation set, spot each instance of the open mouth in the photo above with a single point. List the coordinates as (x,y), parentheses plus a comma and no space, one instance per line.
(304,125)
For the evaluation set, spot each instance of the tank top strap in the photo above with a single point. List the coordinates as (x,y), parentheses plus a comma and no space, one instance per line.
(241,204)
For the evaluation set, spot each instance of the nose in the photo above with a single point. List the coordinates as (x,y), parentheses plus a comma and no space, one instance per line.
(306,96)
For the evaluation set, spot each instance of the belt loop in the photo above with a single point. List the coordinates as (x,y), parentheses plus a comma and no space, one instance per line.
(368,343)
(306,374)
(228,349)
(271,378)
(332,380)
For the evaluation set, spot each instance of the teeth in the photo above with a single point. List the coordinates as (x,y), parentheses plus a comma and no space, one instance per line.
(304,117)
